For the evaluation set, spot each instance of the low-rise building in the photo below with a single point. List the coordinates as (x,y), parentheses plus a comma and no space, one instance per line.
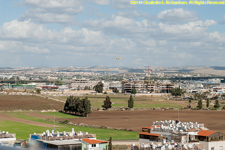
(81,84)
(92,144)
(7,139)
(59,141)
(185,135)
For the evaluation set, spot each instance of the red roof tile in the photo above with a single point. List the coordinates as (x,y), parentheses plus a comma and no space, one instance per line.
(146,133)
(205,132)
(91,141)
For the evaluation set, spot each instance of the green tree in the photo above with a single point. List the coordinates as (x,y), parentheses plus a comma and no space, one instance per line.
(215,97)
(87,106)
(199,106)
(38,91)
(131,102)
(207,103)
(99,87)
(176,91)
(115,90)
(66,106)
(189,105)
(110,144)
(133,91)
(107,103)
(223,95)
(86,88)
(58,82)
(77,106)
(217,105)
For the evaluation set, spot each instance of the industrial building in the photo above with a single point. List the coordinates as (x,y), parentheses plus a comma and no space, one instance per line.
(184,135)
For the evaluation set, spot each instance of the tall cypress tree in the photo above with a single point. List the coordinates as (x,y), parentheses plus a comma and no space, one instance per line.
(66,106)
(107,103)
(207,103)
(131,102)
(110,144)
(87,107)
(217,105)
(199,104)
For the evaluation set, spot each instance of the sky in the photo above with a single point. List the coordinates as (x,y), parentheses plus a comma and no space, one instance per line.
(80,33)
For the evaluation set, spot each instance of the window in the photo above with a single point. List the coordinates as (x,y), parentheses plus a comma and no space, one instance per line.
(212,148)
(93,145)
(221,147)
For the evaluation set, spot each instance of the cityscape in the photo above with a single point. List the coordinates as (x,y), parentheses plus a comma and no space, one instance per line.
(112,75)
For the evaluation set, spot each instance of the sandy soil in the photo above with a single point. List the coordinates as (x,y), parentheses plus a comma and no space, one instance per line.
(214,120)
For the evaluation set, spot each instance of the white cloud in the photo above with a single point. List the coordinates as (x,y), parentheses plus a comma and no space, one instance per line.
(55,4)
(21,47)
(37,39)
(122,4)
(101,2)
(25,30)
(177,15)
(133,14)
(131,28)
(52,11)
(131,34)
(122,26)
(189,31)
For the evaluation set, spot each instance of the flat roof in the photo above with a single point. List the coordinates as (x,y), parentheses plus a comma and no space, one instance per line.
(63,142)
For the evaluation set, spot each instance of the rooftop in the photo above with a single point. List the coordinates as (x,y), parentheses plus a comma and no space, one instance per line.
(205,133)
(92,141)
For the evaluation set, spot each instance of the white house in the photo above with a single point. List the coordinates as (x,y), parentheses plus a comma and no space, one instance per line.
(91,144)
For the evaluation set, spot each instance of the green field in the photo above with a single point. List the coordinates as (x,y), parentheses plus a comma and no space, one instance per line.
(139,102)
(23,130)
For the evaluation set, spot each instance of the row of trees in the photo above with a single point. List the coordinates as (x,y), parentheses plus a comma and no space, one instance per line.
(200,106)
(108,104)
(83,106)
(77,106)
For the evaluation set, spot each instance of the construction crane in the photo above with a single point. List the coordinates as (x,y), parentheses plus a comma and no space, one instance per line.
(149,74)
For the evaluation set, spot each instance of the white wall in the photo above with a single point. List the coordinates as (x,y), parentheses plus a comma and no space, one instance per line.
(218,145)
(93,148)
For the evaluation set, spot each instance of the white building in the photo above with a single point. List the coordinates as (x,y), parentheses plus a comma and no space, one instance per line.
(7,139)
(92,144)
(184,135)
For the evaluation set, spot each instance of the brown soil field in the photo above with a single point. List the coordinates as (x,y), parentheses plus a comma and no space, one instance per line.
(22,102)
(134,120)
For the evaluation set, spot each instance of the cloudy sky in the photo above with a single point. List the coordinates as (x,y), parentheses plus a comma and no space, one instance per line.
(49,33)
